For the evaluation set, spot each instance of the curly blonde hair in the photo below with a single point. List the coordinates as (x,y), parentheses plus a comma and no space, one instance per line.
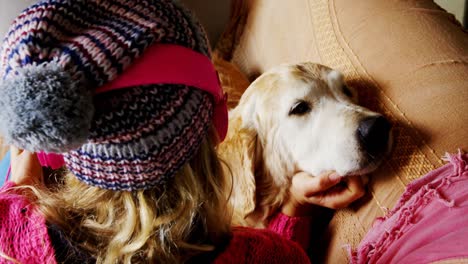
(172,224)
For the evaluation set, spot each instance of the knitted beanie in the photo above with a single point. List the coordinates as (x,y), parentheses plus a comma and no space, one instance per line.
(59,53)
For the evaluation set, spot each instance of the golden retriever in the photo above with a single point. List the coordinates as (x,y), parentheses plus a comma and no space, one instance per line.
(293,118)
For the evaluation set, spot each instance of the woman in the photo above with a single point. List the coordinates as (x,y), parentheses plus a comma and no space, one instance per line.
(126,92)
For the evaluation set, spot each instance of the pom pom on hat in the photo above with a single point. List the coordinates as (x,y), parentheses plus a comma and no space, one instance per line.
(44,109)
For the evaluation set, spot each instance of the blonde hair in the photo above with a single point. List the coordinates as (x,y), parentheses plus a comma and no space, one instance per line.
(189,216)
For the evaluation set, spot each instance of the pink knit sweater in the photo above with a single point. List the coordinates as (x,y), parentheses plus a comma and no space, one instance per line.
(24,236)
(23,231)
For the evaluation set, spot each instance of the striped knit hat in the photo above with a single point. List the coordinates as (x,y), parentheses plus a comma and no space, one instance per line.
(64,64)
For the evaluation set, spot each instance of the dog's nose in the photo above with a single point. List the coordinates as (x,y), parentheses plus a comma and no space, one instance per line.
(373,133)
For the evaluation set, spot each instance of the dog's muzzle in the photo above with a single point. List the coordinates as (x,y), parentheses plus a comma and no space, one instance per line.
(373,134)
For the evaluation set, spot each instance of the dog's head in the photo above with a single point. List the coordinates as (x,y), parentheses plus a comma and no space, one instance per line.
(305,118)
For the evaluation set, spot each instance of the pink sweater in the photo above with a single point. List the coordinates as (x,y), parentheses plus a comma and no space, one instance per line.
(24,236)
(23,232)
(428,224)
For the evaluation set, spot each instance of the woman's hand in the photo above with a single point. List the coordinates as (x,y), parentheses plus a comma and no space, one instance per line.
(25,167)
(327,190)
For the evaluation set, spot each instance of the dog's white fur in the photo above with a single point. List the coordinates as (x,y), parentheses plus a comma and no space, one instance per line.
(266,144)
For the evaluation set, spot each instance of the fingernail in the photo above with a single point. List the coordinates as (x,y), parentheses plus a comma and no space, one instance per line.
(335,177)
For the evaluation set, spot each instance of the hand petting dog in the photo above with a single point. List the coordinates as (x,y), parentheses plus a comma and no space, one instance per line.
(328,190)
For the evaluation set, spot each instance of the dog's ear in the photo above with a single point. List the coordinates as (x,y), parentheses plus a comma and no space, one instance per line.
(239,150)
(247,110)
(243,148)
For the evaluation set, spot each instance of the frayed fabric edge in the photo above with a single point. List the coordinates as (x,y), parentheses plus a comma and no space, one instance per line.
(429,190)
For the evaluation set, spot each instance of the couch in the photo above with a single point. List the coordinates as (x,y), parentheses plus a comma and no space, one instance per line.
(407,59)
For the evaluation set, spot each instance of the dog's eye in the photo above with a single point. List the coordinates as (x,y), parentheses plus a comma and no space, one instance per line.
(347,91)
(300,108)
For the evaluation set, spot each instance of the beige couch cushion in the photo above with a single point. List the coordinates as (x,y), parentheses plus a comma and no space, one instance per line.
(408,60)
